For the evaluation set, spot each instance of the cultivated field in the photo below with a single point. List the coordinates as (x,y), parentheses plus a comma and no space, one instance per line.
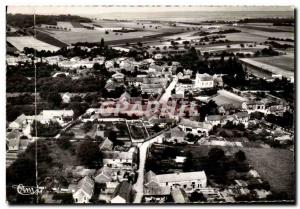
(269,28)
(245,37)
(29,41)
(267,33)
(145,25)
(270,67)
(95,36)
(284,62)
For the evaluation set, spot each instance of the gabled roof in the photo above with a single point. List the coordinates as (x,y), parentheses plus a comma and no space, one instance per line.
(14,143)
(195,124)
(86,185)
(178,177)
(150,176)
(123,190)
(55,113)
(14,134)
(179,196)
(214,118)
(106,143)
(254,102)
(118,75)
(67,94)
(242,114)
(106,171)
(20,119)
(152,86)
(204,77)
(125,95)
(118,155)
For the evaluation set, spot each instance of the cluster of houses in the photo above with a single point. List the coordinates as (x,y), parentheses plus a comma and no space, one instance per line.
(15,60)
(118,173)
(114,178)
(19,132)
(159,186)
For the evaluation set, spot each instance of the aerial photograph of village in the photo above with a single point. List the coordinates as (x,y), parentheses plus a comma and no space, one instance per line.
(150,105)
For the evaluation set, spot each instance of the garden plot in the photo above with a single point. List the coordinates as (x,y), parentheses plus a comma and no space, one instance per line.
(137,130)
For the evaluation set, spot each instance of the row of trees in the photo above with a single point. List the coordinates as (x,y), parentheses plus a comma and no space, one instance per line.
(27,20)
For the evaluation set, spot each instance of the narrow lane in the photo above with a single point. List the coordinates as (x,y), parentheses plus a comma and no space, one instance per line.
(139,185)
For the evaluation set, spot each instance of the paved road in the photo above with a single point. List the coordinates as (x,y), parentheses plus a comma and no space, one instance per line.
(139,185)
(165,97)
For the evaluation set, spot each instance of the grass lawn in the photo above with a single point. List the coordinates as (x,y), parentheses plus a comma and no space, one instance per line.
(275,166)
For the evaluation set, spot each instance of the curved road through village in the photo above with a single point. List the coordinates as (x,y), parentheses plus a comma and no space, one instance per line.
(139,185)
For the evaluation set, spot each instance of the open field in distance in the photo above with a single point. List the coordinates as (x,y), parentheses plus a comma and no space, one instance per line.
(284,62)
(29,41)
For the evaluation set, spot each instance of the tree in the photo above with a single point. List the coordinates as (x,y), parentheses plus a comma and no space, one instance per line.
(139,44)
(22,171)
(216,154)
(88,154)
(78,108)
(197,197)
(156,128)
(45,130)
(256,115)
(97,66)
(64,143)
(169,152)
(54,98)
(112,136)
(66,198)
(102,43)
(240,156)
(87,126)
(188,164)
